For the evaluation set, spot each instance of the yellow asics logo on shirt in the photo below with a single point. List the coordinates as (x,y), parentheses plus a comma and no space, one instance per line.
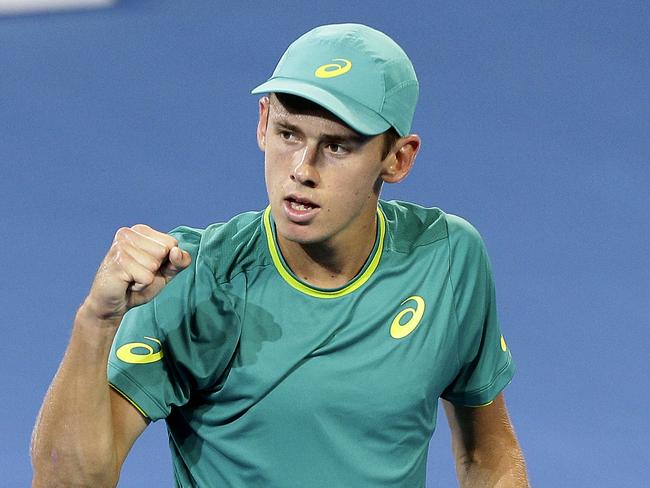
(127,352)
(331,70)
(399,330)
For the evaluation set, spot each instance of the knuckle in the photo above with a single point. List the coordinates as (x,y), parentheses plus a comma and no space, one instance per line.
(122,233)
(120,256)
(140,227)
(167,243)
(152,264)
(117,249)
(166,239)
(160,253)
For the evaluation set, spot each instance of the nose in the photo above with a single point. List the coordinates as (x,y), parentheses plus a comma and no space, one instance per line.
(304,169)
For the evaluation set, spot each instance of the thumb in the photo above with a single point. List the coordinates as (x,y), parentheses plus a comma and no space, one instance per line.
(178,261)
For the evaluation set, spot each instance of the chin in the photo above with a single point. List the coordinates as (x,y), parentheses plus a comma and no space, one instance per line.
(300,236)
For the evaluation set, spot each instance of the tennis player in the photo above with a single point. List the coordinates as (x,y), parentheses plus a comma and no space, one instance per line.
(306,344)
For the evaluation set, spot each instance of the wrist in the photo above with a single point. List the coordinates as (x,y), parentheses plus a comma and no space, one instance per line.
(90,314)
(92,337)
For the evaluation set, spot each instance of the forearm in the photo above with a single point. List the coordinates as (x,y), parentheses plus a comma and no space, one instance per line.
(499,464)
(73,442)
(485,446)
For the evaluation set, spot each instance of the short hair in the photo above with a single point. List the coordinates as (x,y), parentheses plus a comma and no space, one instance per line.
(390,138)
(296,104)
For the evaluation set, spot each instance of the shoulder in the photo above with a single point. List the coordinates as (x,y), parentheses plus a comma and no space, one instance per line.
(463,236)
(224,247)
(468,258)
(410,225)
(413,225)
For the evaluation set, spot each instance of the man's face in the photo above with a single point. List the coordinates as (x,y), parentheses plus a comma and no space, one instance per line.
(322,178)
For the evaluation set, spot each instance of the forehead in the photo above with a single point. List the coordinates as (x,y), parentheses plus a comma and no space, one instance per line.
(291,108)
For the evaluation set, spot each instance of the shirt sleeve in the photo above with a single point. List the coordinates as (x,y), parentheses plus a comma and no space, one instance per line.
(485,362)
(179,343)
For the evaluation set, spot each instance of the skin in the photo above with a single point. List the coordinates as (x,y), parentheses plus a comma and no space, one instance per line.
(317,157)
(485,447)
(344,179)
(85,429)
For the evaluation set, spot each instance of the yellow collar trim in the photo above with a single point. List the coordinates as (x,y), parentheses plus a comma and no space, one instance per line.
(315,292)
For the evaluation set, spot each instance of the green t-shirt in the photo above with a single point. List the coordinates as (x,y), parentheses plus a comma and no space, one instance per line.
(266,381)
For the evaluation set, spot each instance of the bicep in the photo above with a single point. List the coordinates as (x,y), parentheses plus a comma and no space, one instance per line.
(128,424)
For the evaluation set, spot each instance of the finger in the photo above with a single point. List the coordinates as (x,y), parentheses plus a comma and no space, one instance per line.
(180,258)
(152,263)
(178,261)
(137,287)
(160,237)
(130,270)
(129,236)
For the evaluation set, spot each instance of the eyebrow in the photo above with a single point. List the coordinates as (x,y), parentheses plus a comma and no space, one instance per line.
(352,138)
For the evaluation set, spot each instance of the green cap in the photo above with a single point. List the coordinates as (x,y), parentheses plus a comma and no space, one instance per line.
(358,73)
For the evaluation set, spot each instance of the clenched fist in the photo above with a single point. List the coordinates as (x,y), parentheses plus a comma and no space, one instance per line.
(140,262)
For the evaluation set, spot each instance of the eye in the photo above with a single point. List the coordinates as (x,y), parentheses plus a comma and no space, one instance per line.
(287,135)
(336,149)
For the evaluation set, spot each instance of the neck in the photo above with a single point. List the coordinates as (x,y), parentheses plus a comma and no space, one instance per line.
(330,264)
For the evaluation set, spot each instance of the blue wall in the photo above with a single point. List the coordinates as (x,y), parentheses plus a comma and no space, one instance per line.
(535,119)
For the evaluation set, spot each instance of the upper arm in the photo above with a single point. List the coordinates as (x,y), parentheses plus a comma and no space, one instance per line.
(476,428)
(128,424)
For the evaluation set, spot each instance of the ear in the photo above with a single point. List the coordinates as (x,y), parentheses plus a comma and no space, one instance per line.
(400,159)
(262,122)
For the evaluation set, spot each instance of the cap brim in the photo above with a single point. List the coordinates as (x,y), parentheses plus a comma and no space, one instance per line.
(358,116)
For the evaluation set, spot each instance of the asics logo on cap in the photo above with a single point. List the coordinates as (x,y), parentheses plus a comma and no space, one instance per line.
(331,70)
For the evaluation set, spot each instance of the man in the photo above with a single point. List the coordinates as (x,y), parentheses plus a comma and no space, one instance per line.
(307,344)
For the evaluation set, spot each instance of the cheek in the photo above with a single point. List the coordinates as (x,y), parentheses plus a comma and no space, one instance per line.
(270,176)
(275,159)
(271,167)
(365,180)
(352,189)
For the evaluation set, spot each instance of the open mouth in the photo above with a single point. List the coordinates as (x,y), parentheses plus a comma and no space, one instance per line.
(301,205)
(300,210)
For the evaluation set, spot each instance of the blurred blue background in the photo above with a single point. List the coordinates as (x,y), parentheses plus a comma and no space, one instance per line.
(535,118)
